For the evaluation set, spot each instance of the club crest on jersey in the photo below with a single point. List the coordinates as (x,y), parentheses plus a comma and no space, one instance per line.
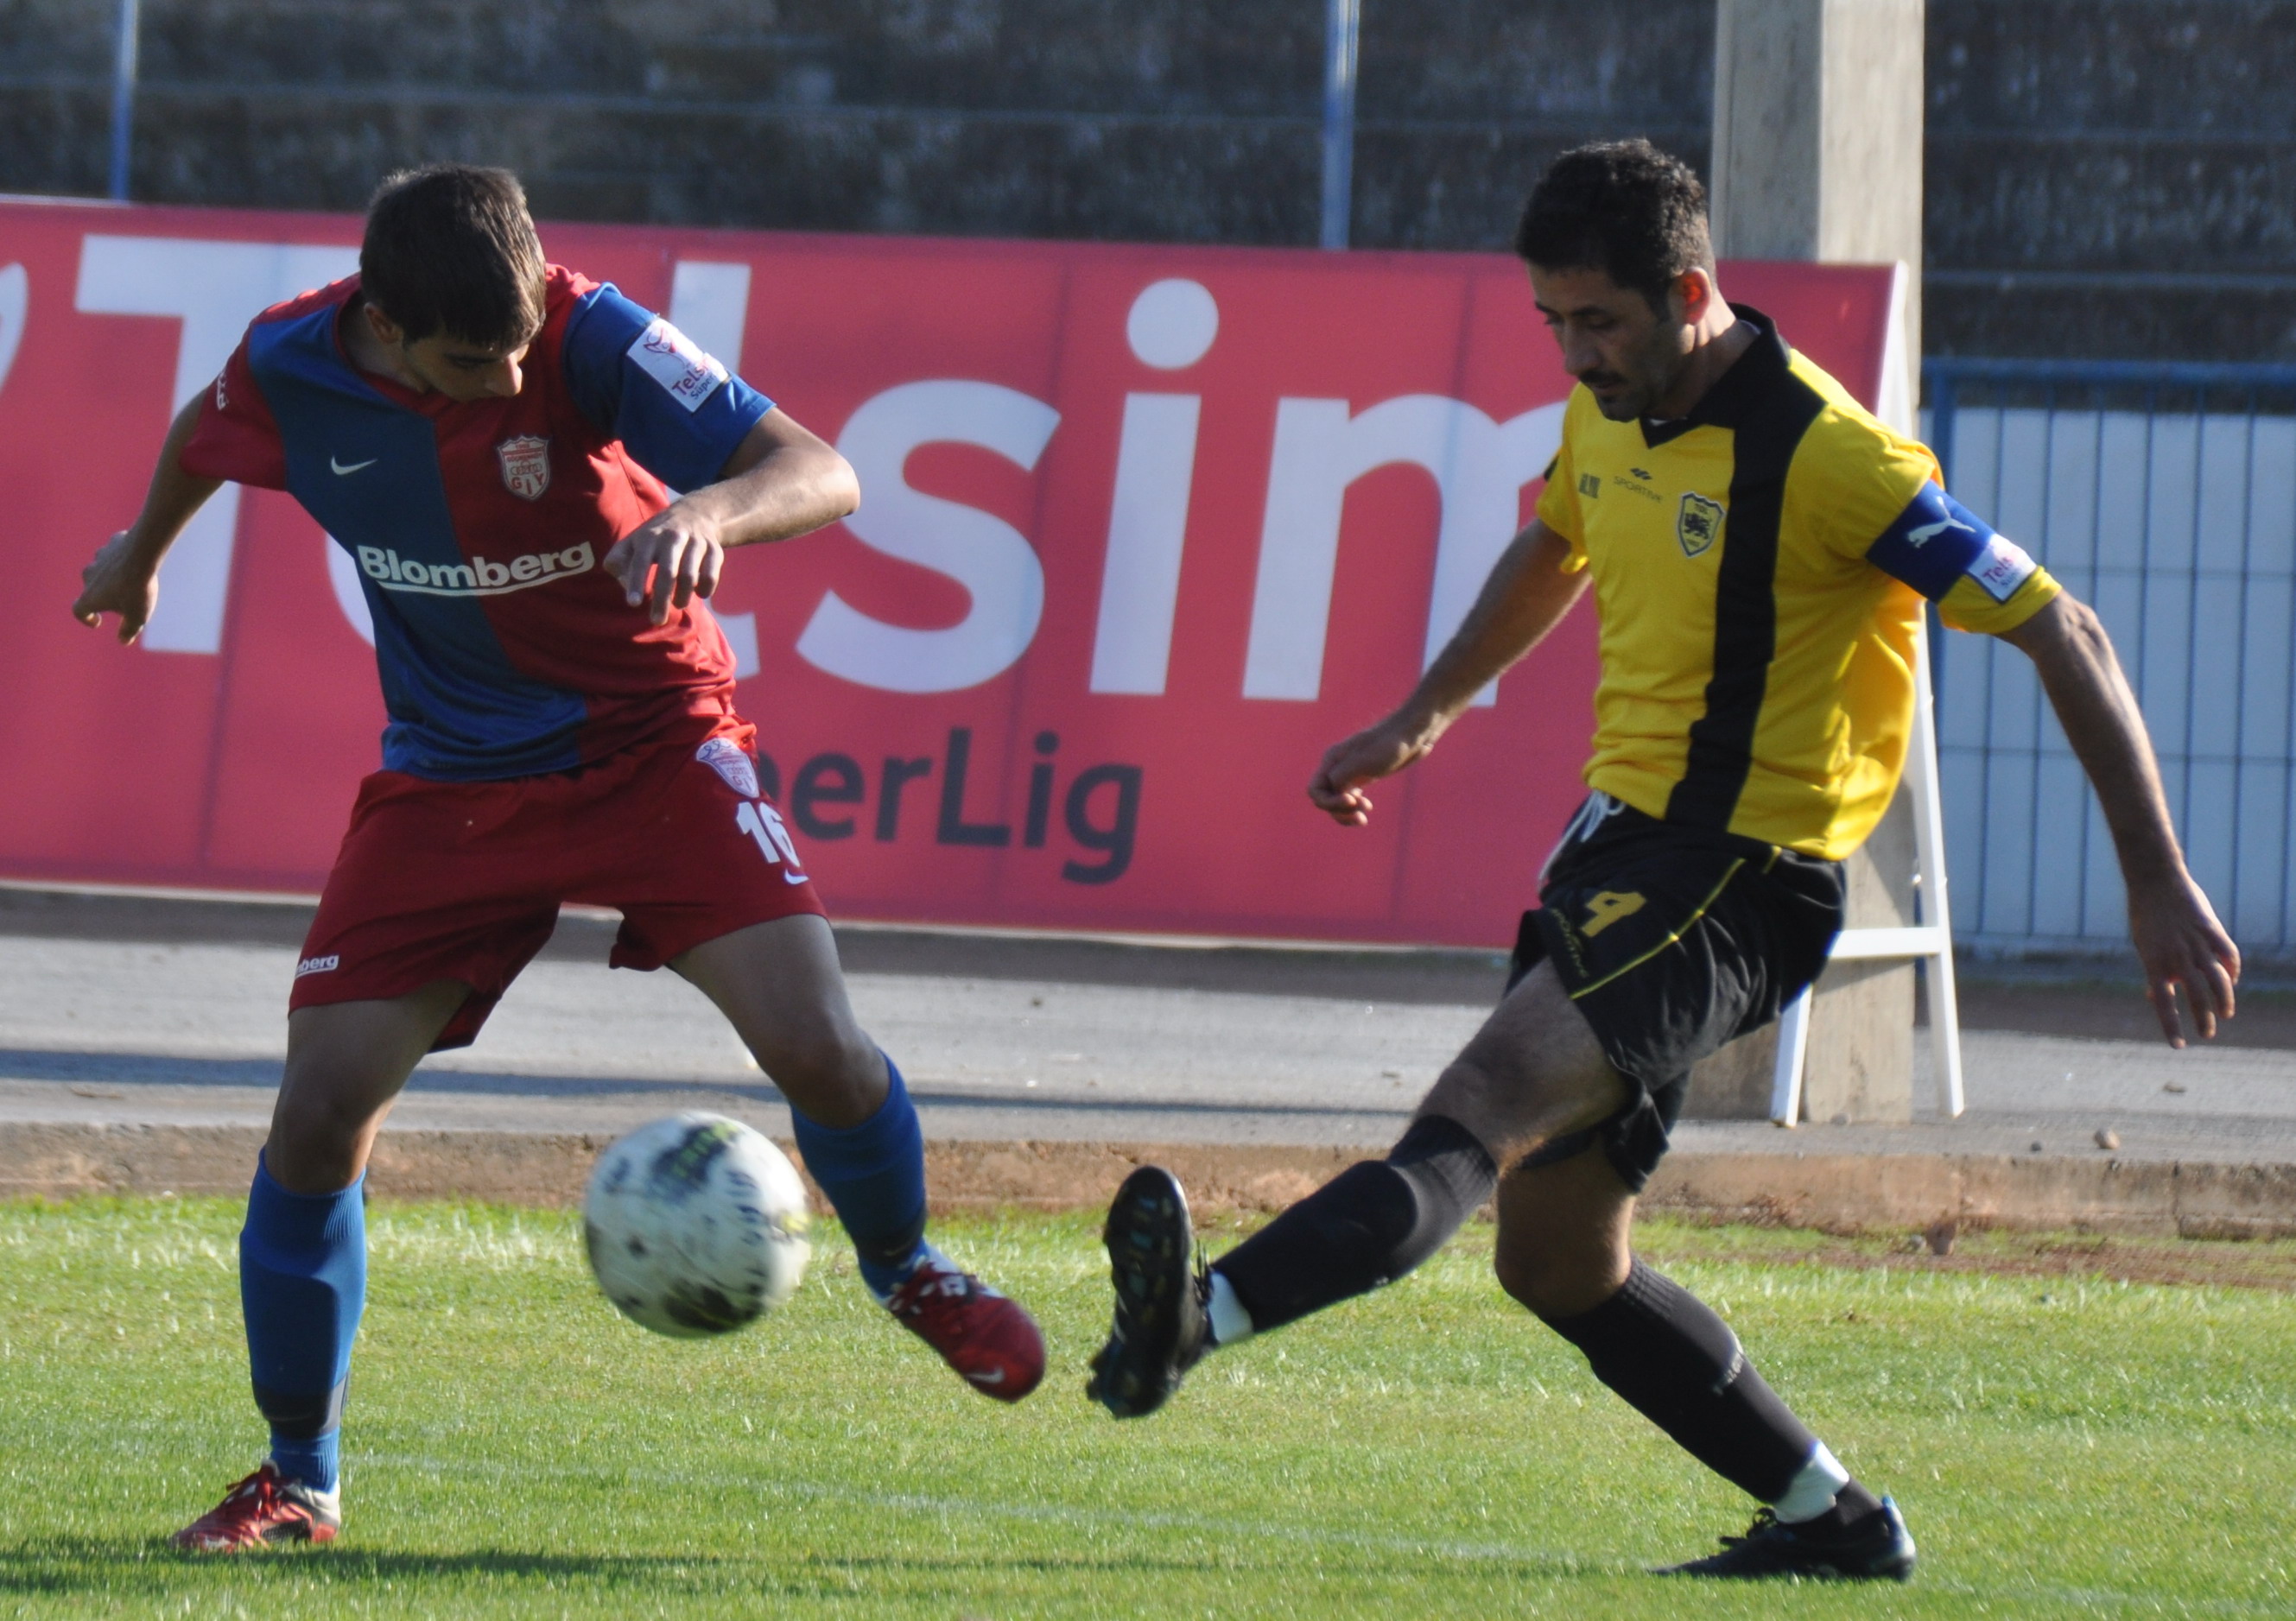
(525,466)
(726,756)
(1698,525)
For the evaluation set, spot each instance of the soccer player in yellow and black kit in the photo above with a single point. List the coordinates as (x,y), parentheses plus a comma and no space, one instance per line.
(1760,548)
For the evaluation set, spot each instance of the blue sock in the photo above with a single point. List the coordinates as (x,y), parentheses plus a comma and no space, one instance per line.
(302,1283)
(874,1176)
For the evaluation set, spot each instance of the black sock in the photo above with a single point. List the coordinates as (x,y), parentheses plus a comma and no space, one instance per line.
(1850,1506)
(1678,1365)
(1368,1225)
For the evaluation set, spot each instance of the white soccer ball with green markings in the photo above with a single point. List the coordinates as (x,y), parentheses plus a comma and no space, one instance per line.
(696,1226)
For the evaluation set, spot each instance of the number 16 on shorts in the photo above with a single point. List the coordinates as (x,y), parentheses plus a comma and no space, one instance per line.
(763,823)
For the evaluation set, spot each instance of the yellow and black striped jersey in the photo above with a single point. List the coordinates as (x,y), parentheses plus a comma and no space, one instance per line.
(1758,569)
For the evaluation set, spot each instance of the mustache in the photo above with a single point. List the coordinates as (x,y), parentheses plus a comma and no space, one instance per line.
(1602,380)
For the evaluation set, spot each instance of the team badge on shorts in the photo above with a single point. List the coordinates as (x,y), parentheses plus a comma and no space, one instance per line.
(1698,525)
(725,756)
(525,466)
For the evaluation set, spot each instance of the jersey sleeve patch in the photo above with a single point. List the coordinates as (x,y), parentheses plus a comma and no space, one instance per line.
(677,364)
(1937,541)
(639,380)
(2002,567)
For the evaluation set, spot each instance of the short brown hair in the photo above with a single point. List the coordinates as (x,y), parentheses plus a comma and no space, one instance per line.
(1624,207)
(450,248)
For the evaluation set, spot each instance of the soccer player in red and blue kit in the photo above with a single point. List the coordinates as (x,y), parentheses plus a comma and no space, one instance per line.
(494,440)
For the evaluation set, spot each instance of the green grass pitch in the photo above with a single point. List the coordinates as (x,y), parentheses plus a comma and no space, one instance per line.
(2060,1445)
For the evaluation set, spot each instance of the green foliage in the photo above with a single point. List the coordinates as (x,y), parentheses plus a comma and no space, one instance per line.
(2061,1446)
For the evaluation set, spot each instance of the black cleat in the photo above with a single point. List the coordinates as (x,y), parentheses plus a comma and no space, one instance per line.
(1161,1329)
(1874,1549)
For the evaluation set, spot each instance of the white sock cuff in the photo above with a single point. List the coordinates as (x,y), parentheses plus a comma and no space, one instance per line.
(1230,1322)
(1814,1487)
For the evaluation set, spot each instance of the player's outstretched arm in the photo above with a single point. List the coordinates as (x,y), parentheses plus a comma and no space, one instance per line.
(780,482)
(2174,929)
(1527,594)
(123,576)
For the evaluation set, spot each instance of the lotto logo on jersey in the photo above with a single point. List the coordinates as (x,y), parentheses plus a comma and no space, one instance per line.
(525,466)
(476,577)
(677,364)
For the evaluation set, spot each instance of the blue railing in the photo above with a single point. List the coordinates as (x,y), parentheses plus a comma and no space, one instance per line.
(2165,496)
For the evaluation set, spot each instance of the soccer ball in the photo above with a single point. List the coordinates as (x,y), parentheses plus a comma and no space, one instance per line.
(696,1226)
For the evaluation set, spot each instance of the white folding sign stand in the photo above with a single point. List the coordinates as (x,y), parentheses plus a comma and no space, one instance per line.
(1930,942)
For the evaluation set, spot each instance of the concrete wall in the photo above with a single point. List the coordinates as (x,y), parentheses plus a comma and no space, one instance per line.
(2112,177)
(2104,177)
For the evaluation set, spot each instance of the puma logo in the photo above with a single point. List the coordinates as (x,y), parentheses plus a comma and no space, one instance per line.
(1931,531)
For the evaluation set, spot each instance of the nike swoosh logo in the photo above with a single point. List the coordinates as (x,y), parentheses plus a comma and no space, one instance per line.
(354,467)
(995,1377)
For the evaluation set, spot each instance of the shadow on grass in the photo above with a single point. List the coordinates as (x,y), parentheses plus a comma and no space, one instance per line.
(62,1565)
(75,1564)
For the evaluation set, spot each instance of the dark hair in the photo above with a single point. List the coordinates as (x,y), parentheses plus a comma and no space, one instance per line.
(1620,207)
(450,248)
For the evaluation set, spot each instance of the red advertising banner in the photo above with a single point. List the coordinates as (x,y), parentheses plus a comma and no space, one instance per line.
(1144,530)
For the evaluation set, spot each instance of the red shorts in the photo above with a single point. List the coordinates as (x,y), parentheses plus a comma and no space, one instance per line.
(462,880)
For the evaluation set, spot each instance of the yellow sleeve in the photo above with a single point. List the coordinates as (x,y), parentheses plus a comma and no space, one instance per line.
(1970,606)
(1558,502)
(1867,493)
(1851,478)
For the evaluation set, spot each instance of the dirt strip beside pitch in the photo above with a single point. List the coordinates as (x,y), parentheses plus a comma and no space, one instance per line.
(1836,1192)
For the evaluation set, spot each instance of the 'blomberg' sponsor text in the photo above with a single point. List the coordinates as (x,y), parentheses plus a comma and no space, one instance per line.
(477,577)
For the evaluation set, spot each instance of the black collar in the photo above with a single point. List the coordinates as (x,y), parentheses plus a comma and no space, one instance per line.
(1739,392)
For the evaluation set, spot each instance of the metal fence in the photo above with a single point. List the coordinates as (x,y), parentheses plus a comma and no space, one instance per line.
(2165,496)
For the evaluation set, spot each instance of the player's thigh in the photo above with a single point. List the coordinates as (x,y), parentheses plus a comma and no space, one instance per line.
(781,986)
(346,1062)
(1533,1073)
(1563,1229)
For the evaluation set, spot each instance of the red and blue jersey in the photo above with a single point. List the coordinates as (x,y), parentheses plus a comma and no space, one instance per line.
(481,527)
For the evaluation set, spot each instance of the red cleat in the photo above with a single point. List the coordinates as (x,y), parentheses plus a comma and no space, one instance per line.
(980,1333)
(267,1507)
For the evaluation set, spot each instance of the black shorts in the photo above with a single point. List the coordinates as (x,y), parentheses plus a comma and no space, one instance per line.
(1671,941)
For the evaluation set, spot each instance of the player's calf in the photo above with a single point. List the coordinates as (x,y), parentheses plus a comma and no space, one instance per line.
(874,1174)
(1678,1365)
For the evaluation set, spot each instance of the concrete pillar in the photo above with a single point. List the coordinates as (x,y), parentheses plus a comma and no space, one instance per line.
(1817,134)
(1817,155)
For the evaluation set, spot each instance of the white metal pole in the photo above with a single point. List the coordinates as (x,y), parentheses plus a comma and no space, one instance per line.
(1341,22)
(1928,846)
(1793,1053)
(123,99)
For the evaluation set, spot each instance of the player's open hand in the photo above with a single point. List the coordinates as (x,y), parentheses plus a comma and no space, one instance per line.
(119,580)
(1353,764)
(2183,947)
(668,561)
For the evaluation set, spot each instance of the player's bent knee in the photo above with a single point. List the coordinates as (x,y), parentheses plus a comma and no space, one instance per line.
(828,1071)
(1558,1280)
